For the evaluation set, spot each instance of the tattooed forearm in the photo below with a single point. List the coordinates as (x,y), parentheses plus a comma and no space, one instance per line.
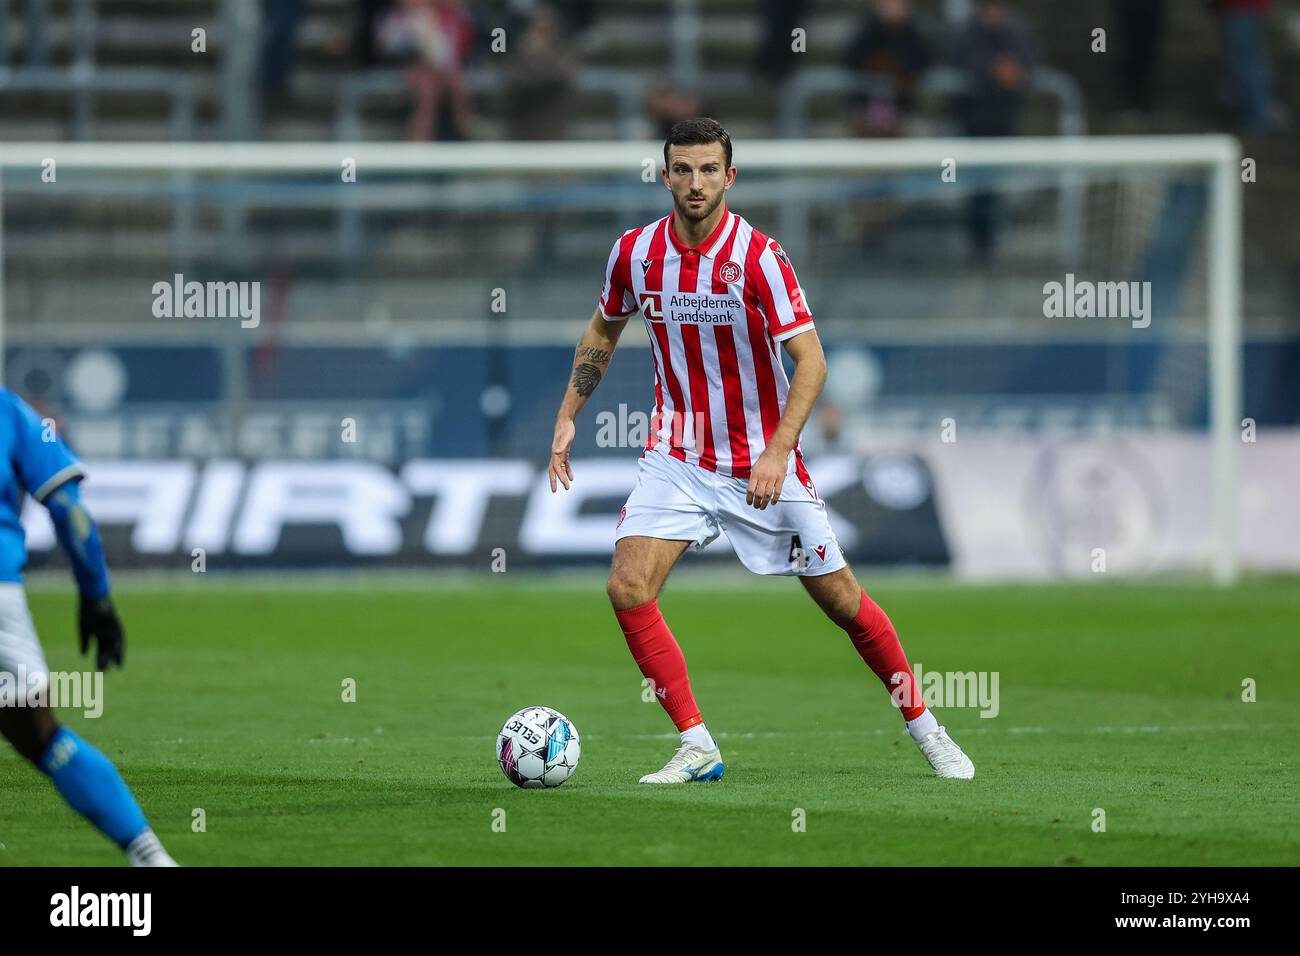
(591,360)
(585,379)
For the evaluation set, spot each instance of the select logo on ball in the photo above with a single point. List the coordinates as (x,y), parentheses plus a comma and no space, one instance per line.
(538,748)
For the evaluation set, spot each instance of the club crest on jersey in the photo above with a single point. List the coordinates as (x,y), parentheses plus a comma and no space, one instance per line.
(729,271)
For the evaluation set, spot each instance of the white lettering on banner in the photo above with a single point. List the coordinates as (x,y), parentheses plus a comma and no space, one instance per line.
(264,433)
(196,436)
(554,524)
(1154,490)
(214,506)
(461,490)
(149,495)
(150,438)
(317,437)
(365,500)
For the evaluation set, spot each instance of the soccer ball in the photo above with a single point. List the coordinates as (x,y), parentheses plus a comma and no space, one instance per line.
(538,747)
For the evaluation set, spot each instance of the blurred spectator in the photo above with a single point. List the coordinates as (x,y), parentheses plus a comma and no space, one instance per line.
(576,15)
(667,105)
(1250,79)
(1139,25)
(432,39)
(996,51)
(776,54)
(572,17)
(279,36)
(539,77)
(890,44)
(365,37)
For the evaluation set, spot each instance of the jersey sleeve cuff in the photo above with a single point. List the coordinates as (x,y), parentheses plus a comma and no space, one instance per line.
(793,330)
(59,477)
(615,317)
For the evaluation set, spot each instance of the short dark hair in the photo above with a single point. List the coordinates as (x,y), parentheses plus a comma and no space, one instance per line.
(698,132)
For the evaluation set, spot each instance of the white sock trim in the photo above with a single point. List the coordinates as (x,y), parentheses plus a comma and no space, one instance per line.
(699,736)
(927,723)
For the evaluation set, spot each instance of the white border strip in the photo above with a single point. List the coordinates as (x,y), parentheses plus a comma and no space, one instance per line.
(789,156)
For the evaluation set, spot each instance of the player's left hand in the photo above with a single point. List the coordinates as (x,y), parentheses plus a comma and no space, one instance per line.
(766,479)
(97,618)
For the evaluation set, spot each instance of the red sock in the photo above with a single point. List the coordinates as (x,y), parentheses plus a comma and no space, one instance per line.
(874,636)
(660,658)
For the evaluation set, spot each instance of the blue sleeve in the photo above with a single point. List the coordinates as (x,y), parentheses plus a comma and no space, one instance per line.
(80,539)
(41,459)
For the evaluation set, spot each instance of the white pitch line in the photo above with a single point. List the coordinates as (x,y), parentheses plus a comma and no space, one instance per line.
(965,732)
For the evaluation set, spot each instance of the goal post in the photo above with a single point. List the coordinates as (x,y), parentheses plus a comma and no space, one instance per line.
(453,173)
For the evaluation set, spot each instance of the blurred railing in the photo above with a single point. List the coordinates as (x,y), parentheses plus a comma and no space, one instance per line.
(543,213)
(945,81)
(1071,120)
(35,32)
(627,89)
(86,83)
(82,79)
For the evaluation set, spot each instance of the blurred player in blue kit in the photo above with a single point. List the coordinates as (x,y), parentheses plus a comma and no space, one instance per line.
(38,462)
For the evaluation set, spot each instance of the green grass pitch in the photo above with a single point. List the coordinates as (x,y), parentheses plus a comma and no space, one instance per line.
(1122,697)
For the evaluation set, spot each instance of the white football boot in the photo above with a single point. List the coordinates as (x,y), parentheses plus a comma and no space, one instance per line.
(690,764)
(147,850)
(945,756)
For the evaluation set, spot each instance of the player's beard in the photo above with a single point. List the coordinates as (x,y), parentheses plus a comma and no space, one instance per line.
(697,215)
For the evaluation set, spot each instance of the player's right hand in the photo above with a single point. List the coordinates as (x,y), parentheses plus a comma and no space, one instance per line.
(97,618)
(560,447)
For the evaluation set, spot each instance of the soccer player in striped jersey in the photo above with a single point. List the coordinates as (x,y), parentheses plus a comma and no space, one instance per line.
(720,300)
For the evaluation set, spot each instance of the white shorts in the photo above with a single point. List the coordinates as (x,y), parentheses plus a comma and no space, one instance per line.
(20,649)
(678,501)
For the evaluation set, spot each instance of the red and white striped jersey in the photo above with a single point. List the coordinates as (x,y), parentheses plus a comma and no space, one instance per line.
(715,313)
